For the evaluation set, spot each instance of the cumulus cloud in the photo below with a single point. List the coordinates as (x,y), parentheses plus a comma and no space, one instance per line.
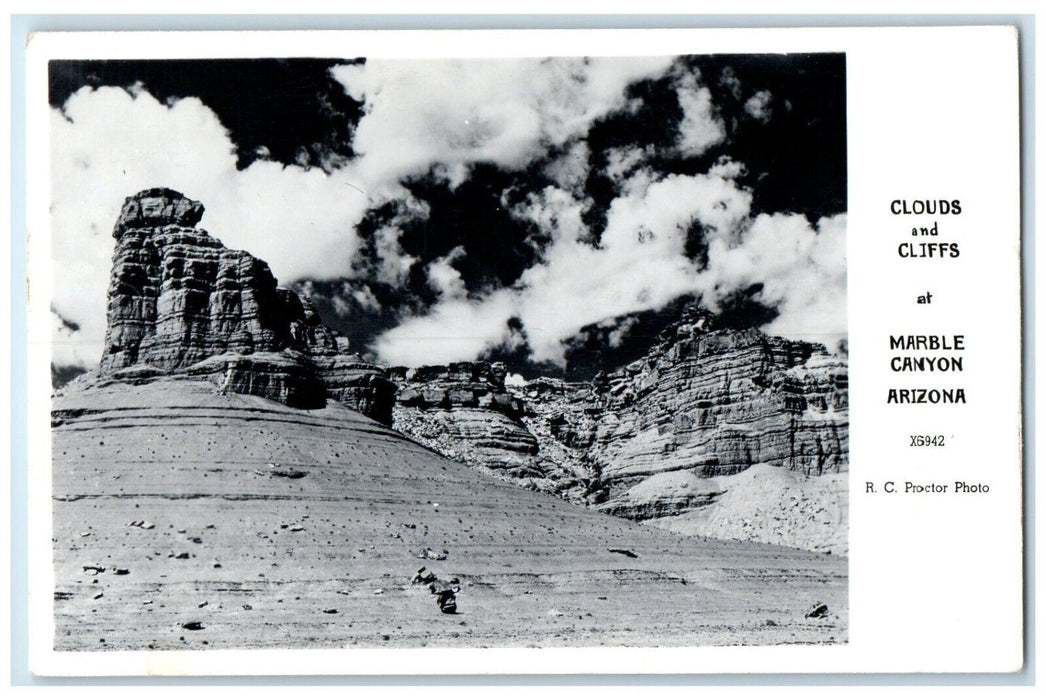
(555,212)
(438,120)
(418,114)
(641,263)
(570,170)
(443,278)
(622,162)
(701,128)
(364,297)
(620,331)
(454,329)
(661,209)
(802,268)
(813,297)
(728,79)
(108,143)
(760,106)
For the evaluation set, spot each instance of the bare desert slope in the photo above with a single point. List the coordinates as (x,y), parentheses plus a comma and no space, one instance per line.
(184,518)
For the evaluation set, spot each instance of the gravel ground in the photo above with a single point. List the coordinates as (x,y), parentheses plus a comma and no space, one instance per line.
(185,519)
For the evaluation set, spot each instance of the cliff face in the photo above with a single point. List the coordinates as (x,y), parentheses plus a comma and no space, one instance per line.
(180,302)
(712,403)
(465,411)
(659,438)
(709,401)
(718,401)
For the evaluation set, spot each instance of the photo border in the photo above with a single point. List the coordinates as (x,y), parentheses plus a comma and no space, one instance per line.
(27,24)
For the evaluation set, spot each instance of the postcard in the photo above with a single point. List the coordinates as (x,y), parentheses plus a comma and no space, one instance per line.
(652,351)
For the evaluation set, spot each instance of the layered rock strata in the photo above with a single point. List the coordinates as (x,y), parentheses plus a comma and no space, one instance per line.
(464,411)
(180,302)
(705,401)
(717,401)
(711,402)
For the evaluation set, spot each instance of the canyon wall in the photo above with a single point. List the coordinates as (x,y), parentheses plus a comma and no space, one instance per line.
(706,400)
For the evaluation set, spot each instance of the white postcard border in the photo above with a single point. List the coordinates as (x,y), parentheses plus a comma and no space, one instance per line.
(934,586)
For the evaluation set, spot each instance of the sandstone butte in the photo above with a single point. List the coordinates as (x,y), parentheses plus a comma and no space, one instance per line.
(232,462)
(181,303)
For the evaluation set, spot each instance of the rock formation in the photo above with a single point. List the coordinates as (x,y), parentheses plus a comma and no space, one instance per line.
(717,401)
(464,411)
(714,402)
(182,303)
(705,402)
(655,440)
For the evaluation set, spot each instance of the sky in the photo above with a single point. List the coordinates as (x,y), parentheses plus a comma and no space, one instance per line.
(552,213)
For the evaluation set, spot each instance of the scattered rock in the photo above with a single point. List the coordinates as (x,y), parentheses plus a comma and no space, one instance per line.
(193,626)
(627,552)
(288,473)
(817,611)
(447,601)
(421,577)
(331,611)
(432,554)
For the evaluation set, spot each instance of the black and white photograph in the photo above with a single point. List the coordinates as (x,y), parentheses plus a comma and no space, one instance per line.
(449,353)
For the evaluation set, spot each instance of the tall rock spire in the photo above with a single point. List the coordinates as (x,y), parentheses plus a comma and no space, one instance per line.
(181,302)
